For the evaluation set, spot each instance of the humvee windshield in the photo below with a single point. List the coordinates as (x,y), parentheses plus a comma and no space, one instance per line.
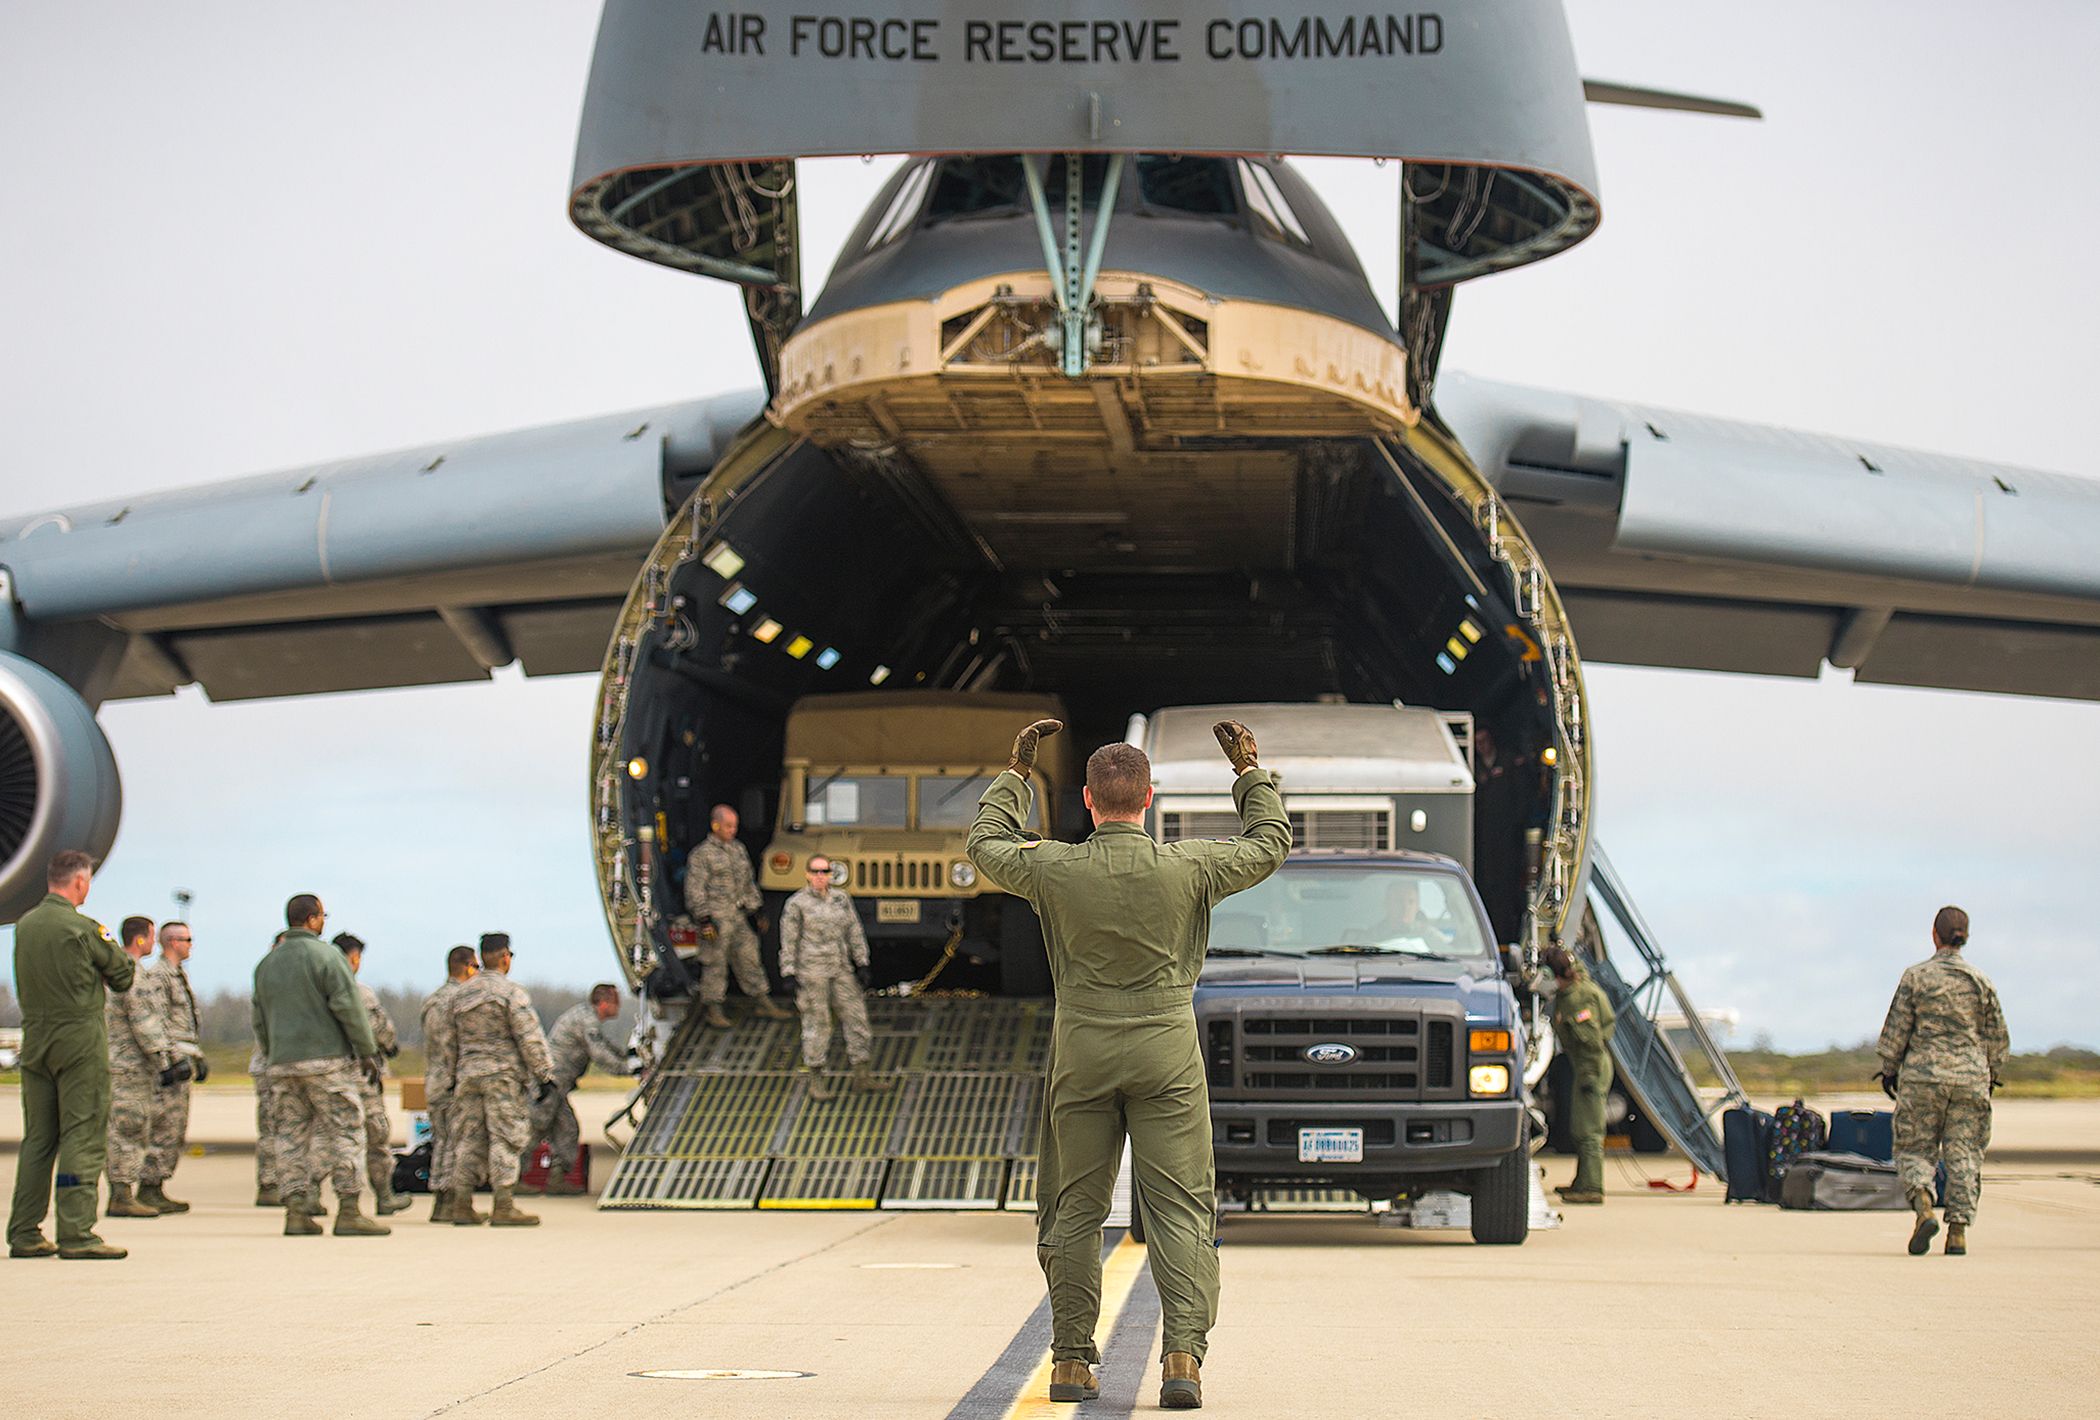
(946,801)
(1309,909)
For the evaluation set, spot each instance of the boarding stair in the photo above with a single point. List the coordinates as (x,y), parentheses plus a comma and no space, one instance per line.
(1650,1063)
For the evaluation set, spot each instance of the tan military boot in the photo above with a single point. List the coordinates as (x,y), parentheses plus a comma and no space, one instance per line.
(1180,1382)
(1073,1381)
(820,1086)
(151,1195)
(267,1196)
(312,1203)
(506,1213)
(441,1210)
(350,1223)
(867,1082)
(123,1205)
(36,1245)
(713,1016)
(298,1223)
(91,1250)
(463,1211)
(1957,1240)
(764,1006)
(1927,1226)
(386,1202)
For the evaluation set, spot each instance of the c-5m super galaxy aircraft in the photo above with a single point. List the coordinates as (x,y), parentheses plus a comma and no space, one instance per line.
(1097,400)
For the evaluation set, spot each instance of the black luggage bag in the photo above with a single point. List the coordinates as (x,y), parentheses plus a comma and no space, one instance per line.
(1745,1141)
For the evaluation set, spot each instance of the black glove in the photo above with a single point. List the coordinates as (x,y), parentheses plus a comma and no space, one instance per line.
(760,923)
(860,974)
(1995,1082)
(1238,743)
(789,984)
(372,1069)
(544,1093)
(175,1074)
(203,1071)
(1023,761)
(1888,1082)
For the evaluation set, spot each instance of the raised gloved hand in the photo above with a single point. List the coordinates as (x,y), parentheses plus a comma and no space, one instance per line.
(203,1071)
(1238,743)
(1023,761)
(544,1093)
(175,1074)
(1888,1082)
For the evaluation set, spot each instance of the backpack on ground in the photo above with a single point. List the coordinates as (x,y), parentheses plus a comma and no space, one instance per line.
(1796,1130)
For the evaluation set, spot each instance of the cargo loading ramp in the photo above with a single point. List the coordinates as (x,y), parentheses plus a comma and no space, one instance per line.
(1648,1060)
(726,1121)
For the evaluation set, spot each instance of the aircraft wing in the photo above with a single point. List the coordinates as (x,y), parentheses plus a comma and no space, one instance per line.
(1679,540)
(419,567)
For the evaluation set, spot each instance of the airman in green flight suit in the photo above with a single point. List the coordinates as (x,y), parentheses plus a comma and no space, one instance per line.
(1582,1025)
(1126,921)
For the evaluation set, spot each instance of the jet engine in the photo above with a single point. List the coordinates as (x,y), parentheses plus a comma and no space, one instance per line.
(58,780)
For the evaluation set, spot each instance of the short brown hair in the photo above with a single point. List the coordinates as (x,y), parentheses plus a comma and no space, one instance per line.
(66,866)
(135,929)
(1119,777)
(301,910)
(458,960)
(1950,928)
(604,991)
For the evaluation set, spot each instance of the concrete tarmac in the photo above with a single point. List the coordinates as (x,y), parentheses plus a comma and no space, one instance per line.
(1657,1304)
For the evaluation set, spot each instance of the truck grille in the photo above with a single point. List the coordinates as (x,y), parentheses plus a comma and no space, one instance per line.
(871,875)
(1401,1054)
(1310,828)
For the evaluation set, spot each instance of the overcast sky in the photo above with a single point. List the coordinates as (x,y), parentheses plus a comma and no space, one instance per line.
(243,236)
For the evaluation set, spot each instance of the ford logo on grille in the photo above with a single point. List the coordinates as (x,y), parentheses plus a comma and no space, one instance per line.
(1331,1054)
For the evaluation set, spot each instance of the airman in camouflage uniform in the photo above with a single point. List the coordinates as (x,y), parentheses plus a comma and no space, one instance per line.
(719,890)
(141,1059)
(269,1144)
(497,1048)
(437,1080)
(168,985)
(311,1025)
(577,1042)
(822,950)
(1941,1049)
(371,1086)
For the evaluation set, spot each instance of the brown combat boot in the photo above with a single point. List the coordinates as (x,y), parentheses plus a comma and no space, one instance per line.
(1180,1382)
(267,1196)
(386,1202)
(123,1205)
(1073,1381)
(820,1086)
(350,1223)
(506,1213)
(298,1223)
(868,1083)
(763,1005)
(91,1249)
(1957,1240)
(1927,1226)
(713,1016)
(151,1195)
(463,1212)
(36,1245)
(441,1210)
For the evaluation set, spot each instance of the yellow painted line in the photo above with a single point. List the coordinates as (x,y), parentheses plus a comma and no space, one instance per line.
(1118,1275)
(816,1204)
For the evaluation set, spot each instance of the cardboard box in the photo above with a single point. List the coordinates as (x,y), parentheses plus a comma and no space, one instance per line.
(412,1096)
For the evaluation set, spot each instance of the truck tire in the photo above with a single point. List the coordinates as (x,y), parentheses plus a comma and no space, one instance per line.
(1502,1200)
(1024,968)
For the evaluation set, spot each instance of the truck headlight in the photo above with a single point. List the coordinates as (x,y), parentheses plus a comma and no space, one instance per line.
(962,874)
(841,872)
(1488,1080)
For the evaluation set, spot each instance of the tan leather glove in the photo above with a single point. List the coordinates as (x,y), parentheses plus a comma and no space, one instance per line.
(1023,761)
(1238,743)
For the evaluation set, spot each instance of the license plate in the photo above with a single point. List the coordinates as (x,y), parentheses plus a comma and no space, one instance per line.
(1330,1146)
(897,909)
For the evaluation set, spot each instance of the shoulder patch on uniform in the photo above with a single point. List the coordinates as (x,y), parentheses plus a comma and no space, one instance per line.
(105,932)
(1582,1015)
(1031,843)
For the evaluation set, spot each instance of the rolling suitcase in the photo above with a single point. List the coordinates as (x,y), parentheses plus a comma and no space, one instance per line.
(1869,1132)
(1745,1139)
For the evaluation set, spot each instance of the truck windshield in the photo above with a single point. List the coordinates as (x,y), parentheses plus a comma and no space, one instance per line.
(840,799)
(950,800)
(1305,910)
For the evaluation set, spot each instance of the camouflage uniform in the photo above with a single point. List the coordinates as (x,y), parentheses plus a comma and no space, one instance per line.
(139,1049)
(719,885)
(821,942)
(169,990)
(306,1017)
(317,1118)
(1944,1041)
(577,1042)
(437,1083)
(269,1145)
(498,1050)
(379,1148)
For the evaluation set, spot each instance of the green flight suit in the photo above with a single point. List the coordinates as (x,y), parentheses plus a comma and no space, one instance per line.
(63,961)
(1582,1024)
(1126,921)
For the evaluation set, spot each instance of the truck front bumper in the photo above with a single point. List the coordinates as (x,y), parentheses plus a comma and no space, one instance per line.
(1261,1140)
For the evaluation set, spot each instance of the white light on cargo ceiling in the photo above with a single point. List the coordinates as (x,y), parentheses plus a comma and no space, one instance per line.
(738,598)
(723,561)
(827,658)
(878,675)
(766,631)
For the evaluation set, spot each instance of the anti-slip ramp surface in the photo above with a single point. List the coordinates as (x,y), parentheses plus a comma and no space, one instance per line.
(727,1120)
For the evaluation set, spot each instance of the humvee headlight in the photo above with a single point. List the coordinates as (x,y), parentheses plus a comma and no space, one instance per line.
(841,872)
(962,874)
(1488,1079)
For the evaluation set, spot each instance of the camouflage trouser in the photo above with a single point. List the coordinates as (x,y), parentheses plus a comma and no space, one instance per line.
(735,946)
(489,1115)
(379,1148)
(1943,1123)
(821,992)
(317,1117)
(555,1122)
(269,1147)
(443,1139)
(171,1128)
(130,1125)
